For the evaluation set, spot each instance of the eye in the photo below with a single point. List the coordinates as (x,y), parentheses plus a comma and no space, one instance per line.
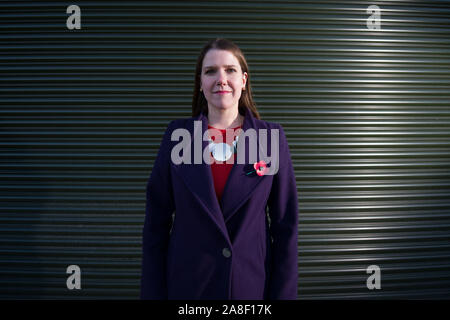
(233,70)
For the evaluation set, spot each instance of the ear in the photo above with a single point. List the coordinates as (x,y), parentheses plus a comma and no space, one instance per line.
(245,77)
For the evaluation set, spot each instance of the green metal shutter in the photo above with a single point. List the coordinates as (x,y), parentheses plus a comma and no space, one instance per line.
(366,113)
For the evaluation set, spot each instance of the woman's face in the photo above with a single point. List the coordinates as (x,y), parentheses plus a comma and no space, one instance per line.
(222,79)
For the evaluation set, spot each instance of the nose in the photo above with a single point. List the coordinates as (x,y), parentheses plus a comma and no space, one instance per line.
(222,78)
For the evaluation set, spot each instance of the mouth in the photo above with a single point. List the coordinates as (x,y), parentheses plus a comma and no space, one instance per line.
(222,92)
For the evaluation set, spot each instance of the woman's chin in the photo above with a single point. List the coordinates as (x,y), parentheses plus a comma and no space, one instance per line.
(223,107)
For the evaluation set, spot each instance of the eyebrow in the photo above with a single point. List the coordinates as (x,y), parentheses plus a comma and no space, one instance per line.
(227,65)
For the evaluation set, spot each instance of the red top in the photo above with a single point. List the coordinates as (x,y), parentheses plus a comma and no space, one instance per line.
(221,170)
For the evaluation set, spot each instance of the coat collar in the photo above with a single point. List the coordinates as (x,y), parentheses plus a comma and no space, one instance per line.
(239,186)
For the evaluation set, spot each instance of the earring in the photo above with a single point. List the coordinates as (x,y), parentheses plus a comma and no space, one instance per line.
(201,89)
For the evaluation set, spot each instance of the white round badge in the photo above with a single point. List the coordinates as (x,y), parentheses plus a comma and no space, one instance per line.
(222,151)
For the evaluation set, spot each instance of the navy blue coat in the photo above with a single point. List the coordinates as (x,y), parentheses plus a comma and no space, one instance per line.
(220,250)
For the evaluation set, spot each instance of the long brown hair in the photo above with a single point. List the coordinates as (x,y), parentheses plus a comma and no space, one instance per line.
(199,103)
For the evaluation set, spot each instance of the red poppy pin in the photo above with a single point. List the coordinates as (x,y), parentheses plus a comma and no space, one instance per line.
(260,168)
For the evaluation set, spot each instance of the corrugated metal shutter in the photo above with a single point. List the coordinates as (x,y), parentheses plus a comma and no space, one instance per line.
(366,112)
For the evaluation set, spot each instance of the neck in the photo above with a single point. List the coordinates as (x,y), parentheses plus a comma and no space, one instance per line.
(224,119)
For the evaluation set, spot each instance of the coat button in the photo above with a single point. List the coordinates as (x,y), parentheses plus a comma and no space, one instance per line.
(226,252)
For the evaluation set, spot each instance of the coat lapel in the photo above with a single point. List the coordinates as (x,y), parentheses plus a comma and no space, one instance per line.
(199,179)
(240,186)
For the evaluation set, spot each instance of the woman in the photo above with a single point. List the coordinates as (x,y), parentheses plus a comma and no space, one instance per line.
(207,234)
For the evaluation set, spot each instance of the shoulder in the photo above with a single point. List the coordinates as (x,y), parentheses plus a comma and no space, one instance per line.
(181,123)
(272,126)
(263,124)
(275,131)
(188,123)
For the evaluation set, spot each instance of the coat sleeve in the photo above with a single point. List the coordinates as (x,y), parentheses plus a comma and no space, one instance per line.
(157,224)
(283,212)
